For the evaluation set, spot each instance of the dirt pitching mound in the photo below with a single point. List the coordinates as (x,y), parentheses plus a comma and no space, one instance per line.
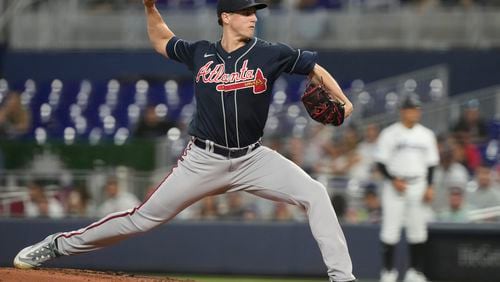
(74,275)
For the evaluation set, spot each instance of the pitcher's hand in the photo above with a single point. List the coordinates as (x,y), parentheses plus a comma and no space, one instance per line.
(348,108)
(149,3)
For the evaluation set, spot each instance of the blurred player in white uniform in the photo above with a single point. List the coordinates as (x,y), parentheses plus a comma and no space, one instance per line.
(406,155)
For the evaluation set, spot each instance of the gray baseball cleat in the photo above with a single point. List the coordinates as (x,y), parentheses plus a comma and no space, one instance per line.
(35,255)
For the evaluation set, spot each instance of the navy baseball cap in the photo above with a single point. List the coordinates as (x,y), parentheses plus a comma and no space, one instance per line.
(411,102)
(229,6)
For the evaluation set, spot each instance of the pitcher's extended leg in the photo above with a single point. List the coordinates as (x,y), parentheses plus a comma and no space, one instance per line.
(270,175)
(192,179)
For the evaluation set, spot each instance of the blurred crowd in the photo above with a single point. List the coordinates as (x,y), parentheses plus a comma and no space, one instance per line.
(46,201)
(305,4)
(110,5)
(467,180)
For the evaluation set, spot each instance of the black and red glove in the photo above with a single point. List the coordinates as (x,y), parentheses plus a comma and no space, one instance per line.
(321,107)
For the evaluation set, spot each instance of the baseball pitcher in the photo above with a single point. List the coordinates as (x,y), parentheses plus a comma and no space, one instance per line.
(233,80)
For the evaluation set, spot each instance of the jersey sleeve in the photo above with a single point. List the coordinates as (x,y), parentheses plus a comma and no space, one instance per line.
(432,152)
(181,51)
(383,147)
(296,60)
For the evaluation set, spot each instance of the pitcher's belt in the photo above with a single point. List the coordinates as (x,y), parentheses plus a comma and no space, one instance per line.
(225,151)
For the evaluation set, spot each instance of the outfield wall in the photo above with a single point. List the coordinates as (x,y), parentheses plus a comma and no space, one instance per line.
(455,252)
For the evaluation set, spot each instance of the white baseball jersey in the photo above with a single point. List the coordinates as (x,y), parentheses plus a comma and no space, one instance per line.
(407,152)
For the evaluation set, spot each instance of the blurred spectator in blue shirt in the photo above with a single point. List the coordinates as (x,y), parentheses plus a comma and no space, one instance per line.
(491,149)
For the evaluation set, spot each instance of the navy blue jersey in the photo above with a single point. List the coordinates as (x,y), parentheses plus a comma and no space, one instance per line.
(233,90)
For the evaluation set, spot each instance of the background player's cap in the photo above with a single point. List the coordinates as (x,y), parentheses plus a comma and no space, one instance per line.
(410,102)
(237,5)
(472,104)
(455,189)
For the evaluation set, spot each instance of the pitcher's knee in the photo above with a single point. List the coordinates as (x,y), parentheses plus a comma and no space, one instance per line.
(144,222)
(317,193)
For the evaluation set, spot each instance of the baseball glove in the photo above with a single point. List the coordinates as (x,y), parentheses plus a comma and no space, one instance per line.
(321,107)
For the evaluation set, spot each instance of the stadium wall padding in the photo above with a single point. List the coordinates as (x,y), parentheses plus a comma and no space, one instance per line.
(138,154)
(469,69)
(454,253)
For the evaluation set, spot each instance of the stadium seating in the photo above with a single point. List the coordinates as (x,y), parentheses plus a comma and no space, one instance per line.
(95,111)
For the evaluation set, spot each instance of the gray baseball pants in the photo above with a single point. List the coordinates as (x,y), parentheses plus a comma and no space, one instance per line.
(199,173)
